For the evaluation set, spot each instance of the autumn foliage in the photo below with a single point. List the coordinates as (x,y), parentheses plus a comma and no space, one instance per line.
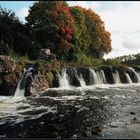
(68,31)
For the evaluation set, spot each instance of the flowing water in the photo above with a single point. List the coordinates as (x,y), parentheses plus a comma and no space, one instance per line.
(128,78)
(136,74)
(116,77)
(95,111)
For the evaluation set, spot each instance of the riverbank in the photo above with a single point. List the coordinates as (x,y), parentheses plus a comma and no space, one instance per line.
(49,73)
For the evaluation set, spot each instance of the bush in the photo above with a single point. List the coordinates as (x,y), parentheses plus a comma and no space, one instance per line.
(112,62)
(4,48)
(96,62)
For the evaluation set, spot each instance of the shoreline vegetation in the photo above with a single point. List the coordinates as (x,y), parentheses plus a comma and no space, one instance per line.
(71,36)
(75,35)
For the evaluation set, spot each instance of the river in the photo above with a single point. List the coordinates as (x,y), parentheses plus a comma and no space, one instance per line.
(102,111)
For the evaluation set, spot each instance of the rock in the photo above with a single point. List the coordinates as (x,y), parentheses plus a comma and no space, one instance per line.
(8,79)
(132,113)
(39,84)
(135,119)
(46,55)
(7,64)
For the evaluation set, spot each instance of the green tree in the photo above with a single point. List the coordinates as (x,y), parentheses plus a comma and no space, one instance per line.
(91,34)
(15,35)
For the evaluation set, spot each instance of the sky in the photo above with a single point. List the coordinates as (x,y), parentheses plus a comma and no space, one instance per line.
(121,19)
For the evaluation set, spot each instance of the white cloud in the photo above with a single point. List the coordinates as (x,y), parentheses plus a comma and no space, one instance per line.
(124,24)
(86,4)
(129,44)
(22,13)
(122,19)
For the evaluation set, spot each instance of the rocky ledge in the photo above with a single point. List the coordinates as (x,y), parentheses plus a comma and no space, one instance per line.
(7,64)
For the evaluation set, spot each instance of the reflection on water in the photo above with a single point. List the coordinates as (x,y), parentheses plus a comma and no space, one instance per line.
(109,111)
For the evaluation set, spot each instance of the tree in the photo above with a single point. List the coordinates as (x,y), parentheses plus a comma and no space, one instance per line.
(53,26)
(68,31)
(94,38)
(15,36)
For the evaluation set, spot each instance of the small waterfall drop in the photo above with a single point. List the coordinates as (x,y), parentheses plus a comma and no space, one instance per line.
(101,77)
(137,75)
(93,77)
(81,80)
(128,78)
(116,77)
(20,90)
(97,77)
(63,79)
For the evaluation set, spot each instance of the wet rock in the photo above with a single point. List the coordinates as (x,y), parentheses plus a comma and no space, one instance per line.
(132,113)
(134,119)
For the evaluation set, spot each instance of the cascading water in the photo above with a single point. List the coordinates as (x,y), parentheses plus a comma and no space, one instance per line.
(101,77)
(128,78)
(97,77)
(137,75)
(104,78)
(116,77)
(20,90)
(81,80)
(64,79)
(93,77)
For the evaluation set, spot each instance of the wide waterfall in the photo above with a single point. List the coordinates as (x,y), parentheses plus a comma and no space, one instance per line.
(20,90)
(137,75)
(79,77)
(95,78)
(128,78)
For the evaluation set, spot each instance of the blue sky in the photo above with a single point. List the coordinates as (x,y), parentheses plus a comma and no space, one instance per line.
(121,19)
(17,6)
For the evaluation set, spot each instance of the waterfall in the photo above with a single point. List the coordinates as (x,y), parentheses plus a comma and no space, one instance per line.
(63,79)
(101,77)
(20,90)
(93,77)
(116,77)
(73,77)
(137,75)
(97,77)
(81,80)
(128,78)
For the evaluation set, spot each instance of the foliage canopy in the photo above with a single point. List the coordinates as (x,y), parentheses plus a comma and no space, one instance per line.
(74,34)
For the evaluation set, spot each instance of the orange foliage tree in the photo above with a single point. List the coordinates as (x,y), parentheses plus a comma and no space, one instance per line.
(53,25)
(99,41)
(68,31)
